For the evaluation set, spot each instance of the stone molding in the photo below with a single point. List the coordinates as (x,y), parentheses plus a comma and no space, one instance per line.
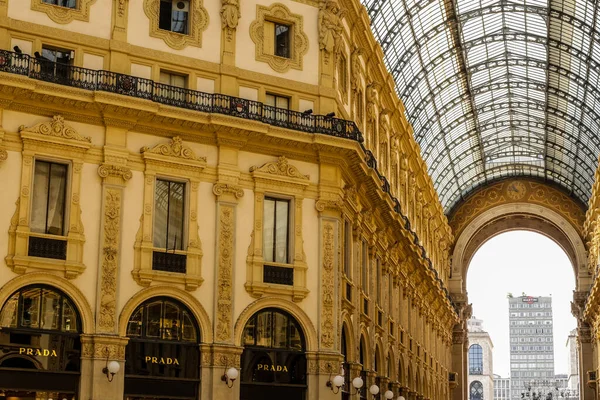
(198,22)
(64,15)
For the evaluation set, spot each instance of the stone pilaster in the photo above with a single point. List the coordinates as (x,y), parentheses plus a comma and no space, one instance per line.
(96,352)
(216,360)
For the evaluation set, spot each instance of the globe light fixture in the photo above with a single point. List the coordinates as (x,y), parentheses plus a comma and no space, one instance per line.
(230,376)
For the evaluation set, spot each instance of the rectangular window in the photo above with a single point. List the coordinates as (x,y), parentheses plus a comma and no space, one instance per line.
(277,107)
(276,230)
(62,3)
(173,86)
(172,79)
(169,211)
(49,193)
(364,281)
(174,16)
(378,281)
(55,62)
(347,248)
(282,40)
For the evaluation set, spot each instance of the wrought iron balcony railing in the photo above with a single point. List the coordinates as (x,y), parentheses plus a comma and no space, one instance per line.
(128,85)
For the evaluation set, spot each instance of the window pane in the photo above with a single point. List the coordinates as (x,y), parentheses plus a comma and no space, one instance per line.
(282,40)
(50,310)
(56,198)
(249,338)
(282,102)
(269,230)
(179,23)
(69,317)
(295,337)
(39,206)
(170,322)
(281,224)
(164,19)
(134,326)
(270,100)
(176,211)
(188,329)
(280,331)
(8,318)
(30,308)
(161,205)
(153,318)
(263,329)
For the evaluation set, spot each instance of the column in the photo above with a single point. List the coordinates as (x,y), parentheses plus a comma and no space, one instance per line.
(230,14)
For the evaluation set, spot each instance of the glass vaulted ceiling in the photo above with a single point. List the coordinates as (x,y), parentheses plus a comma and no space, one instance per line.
(497,88)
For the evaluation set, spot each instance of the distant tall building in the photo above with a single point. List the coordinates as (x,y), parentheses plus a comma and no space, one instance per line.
(531,345)
(501,388)
(481,374)
(572,364)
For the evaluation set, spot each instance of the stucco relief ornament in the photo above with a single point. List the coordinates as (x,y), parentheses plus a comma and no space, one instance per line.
(355,68)
(56,128)
(330,27)
(230,13)
(175,148)
(281,167)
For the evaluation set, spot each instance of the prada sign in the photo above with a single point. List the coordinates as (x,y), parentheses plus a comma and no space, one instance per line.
(271,367)
(162,360)
(37,352)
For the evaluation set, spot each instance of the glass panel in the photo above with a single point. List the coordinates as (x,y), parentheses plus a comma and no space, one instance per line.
(269,230)
(171,322)
(282,229)
(282,40)
(282,102)
(161,206)
(249,337)
(164,18)
(176,212)
(30,308)
(263,329)
(39,207)
(153,319)
(69,317)
(180,13)
(50,312)
(134,326)
(270,100)
(188,330)
(8,316)
(280,330)
(295,337)
(56,198)
(168,214)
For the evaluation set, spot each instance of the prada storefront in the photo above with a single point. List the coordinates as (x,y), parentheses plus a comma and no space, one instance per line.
(40,347)
(274,360)
(163,354)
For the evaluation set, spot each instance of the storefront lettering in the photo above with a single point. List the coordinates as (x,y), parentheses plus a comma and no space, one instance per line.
(162,360)
(37,352)
(272,367)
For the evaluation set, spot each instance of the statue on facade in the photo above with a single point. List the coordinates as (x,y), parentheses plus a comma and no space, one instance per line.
(330,27)
(230,13)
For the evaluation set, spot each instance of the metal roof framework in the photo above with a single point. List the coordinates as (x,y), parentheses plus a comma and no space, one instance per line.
(497,88)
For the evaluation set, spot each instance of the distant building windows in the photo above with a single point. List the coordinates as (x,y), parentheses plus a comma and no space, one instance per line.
(62,3)
(476,390)
(475,360)
(174,16)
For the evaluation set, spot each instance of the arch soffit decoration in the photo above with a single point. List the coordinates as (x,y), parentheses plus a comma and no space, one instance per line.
(294,310)
(167,291)
(68,288)
(522,204)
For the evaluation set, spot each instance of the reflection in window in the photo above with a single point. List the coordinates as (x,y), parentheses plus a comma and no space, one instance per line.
(476,391)
(273,329)
(62,3)
(475,360)
(276,230)
(162,319)
(48,204)
(169,214)
(174,16)
(39,307)
(282,40)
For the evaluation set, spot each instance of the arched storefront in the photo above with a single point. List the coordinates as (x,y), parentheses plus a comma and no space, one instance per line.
(40,347)
(163,354)
(274,360)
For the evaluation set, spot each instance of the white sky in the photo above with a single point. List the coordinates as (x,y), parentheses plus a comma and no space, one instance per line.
(517,262)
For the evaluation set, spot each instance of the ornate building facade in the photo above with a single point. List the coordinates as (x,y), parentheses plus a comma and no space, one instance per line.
(194,186)
(481,363)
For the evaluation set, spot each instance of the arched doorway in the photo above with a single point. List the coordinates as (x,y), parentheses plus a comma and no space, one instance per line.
(163,355)
(40,347)
(274,360)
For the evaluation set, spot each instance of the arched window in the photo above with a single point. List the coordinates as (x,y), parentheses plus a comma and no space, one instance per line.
(162,356)
(475,360)
(40,307)
(274,360)
(346,366)
(40,344)
(476,390)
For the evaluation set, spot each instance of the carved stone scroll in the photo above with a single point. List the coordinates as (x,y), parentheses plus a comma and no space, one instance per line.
(327,285)
(224,275)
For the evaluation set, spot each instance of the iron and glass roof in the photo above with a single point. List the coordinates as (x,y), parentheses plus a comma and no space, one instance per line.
(497,88)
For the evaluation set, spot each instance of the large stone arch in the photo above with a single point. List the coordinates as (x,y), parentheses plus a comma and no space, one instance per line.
(502,206)
(67,287)
(168,291)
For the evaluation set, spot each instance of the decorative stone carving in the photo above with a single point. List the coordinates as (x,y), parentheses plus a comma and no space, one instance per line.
(356,68)
(327,286)
(280,167)
(3,155)
(299,48)
(198,23)
(106,170)
(175,148)
(330,27)
(56,128)
(230,13)
(225,270)
(220,189)
(64,15)
(108,284)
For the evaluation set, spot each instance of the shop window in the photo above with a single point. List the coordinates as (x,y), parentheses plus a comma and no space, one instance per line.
(162,356)
(279,38)
(168,246)
(40,344)
(174,16)
(48,215)
(273,361)
(62,3)
(179,23)
(276,259)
